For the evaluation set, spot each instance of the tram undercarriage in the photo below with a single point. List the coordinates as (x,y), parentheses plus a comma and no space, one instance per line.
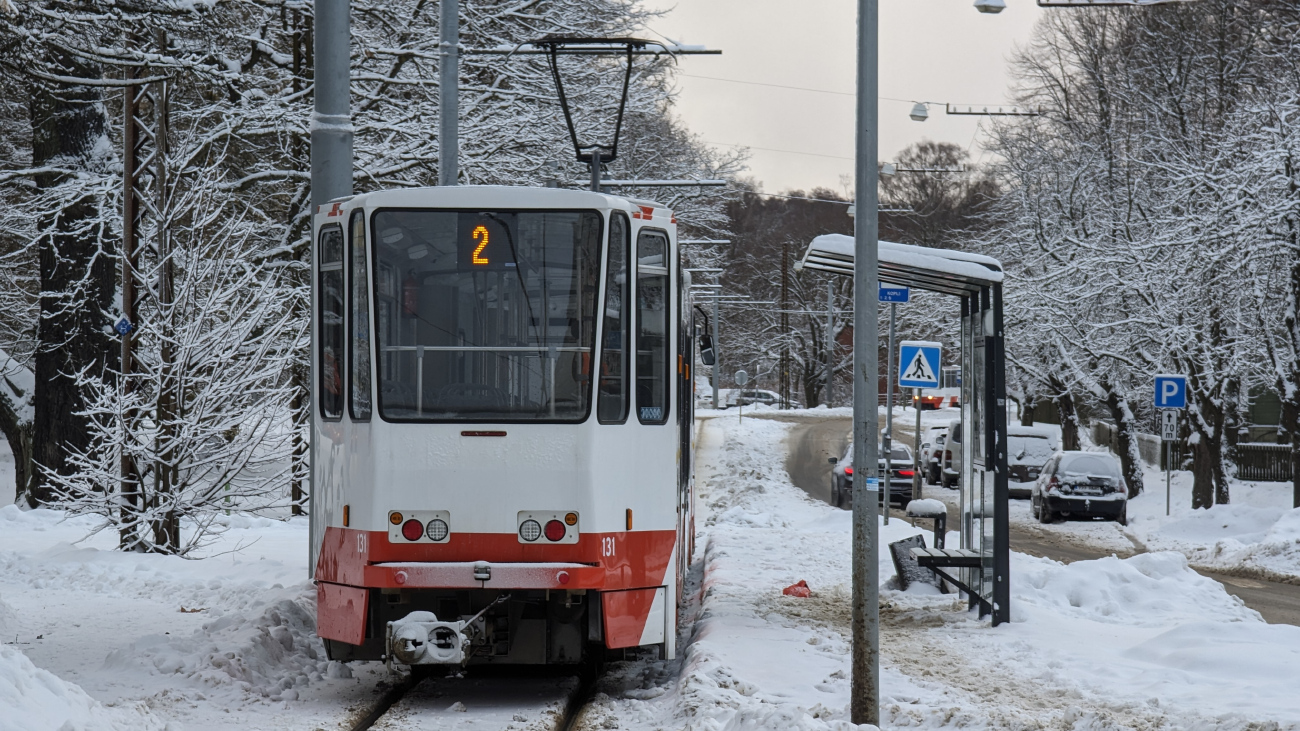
(478,627)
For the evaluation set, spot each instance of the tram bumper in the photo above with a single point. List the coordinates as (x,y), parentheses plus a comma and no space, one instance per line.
(484,575)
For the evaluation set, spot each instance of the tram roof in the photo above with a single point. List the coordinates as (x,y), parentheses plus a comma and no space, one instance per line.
(938,270)
(495,196)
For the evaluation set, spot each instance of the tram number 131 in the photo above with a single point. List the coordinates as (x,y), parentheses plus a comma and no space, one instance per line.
(607,546)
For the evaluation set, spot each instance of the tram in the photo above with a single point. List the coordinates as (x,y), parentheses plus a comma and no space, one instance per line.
(501,441)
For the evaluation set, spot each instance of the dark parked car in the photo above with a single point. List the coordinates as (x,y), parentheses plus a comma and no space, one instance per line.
(900,471)
(1082,484)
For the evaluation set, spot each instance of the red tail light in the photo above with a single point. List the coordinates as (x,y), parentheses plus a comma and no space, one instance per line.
(554,530)
(412,530)
(848,470)
(906,473)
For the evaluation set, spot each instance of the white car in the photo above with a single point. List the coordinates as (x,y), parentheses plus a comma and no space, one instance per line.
(932,440)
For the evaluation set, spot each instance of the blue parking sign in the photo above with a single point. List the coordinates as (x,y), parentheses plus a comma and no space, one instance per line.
(1171,391)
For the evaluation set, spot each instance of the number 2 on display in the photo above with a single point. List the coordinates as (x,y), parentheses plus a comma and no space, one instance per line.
(607,546)
(475,234)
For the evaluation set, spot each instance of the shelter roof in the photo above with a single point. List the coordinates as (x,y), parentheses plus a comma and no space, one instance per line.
(938,270)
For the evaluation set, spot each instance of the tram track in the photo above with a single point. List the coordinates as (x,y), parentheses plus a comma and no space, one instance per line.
(492,698)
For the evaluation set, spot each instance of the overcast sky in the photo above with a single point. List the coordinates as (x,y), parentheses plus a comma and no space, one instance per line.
(931,50)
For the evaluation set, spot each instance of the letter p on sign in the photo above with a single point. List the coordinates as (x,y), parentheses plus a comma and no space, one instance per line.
(1171,391)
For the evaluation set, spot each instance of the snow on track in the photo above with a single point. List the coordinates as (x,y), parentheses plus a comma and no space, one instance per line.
(475,702)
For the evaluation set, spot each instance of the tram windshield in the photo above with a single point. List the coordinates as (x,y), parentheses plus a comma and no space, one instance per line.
(485,315)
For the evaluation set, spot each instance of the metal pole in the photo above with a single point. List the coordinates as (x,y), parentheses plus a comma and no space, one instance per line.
(887,444)
(1169,471)
(331,123)
(865,698)
(331,159)
(830,344)
(717,353)
(449,92)
(916,451)
(595,174)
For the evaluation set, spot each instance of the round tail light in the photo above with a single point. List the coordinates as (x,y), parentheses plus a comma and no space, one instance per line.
(412,530)
(554,530)
(436,530)
(530,530)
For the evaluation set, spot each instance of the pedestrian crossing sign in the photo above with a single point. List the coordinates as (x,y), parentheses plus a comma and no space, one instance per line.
(918,364)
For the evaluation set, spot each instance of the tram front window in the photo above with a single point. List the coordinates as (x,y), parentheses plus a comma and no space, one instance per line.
(485,315)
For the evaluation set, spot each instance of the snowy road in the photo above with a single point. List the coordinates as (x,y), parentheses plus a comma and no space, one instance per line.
(811,441)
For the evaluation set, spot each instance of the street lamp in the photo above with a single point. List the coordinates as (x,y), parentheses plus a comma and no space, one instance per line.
(920,112)
(990,6)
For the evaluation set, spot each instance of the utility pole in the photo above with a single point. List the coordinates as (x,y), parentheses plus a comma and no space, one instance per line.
(830,344)
(887,444)
(331,127)
(448,92)
(865,690)
(717,352)
(785,324)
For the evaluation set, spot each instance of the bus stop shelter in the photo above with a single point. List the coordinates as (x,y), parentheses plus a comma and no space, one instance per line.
(983,560)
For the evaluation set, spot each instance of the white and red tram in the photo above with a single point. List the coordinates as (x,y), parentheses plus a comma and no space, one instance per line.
(502,425)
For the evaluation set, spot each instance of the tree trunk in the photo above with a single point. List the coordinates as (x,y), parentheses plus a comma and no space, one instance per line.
(1289,433)
(1027,406)
(298,466)
(19,435)
(1202,470)
(77,273)
(1064,401)
(1130,456)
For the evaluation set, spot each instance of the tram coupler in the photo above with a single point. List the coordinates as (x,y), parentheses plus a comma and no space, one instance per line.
(420,638)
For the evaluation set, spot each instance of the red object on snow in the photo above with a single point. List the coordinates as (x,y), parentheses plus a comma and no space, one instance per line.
(800,590)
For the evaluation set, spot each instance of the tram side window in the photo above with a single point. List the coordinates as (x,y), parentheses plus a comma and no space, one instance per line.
(652,327)
(613,397)
(330,333)
(360,345)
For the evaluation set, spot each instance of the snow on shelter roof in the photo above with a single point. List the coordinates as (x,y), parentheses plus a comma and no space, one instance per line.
(937,270)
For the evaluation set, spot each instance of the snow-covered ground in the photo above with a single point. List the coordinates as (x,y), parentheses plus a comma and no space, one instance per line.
(1137,643)
(106,640)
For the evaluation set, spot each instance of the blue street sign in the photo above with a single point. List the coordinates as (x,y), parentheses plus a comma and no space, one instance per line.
(123,326)
(894,294)
(1171,391)
(918,364)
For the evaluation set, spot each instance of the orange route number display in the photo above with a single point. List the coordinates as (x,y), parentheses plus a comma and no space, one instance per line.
(477,258)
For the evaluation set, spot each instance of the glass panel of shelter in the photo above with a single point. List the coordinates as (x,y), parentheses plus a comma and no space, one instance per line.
(977,458)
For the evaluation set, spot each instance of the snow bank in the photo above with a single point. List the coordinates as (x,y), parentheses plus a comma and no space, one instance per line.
(32,699)
(271,653)
(1147,590)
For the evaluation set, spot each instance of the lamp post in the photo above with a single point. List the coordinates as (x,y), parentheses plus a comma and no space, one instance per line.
(865,699)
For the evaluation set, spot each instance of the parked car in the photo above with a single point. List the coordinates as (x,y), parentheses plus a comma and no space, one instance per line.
(900,471)
(932,441)
(751,396)
(1082,484)
(950,464)
(1028,449)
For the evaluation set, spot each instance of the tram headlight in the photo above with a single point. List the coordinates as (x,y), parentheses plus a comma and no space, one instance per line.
(412,530)
(555,530)
(436,530)
(530,530)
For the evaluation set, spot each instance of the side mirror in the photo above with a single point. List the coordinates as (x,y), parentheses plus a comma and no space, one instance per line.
(707,355)
(834,460)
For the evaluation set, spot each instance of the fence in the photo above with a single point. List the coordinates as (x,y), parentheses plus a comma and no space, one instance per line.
(1264,462)
(1255,461)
